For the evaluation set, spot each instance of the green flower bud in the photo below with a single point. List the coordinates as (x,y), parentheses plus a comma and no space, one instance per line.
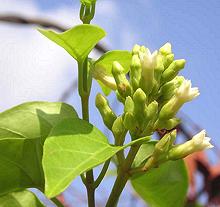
(129,105)
(166,49)
(139,99)
(165,144)
(152,110)
(136,49)
(167,124)
(161,150)
(143,49)
(169,88)
(106,112)
(172,70)
(118,128)
(159,67)
(135,72)
(123,84)
(199,142)
(129,122)
(182,95)
(168,60)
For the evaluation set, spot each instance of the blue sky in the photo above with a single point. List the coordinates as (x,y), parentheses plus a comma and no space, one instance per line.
(192,27)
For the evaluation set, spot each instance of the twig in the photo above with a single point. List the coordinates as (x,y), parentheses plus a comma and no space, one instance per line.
(18,19)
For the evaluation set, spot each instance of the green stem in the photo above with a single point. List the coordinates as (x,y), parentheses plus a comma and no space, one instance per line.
(57,202)
(90,188)
(102,174)
(84,94)
(119,140)
(122,178)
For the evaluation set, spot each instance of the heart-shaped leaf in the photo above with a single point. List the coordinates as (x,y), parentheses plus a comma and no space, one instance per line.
(20,199)
(73,147)
(77,41)
(163,186)
(23,130)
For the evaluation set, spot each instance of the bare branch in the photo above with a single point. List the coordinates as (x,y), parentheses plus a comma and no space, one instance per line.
(17,19)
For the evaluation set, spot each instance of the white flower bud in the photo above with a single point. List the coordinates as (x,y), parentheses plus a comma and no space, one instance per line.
(199,142)
(182,95)
(185,93)
(148,64)
(99,74)
(166,49)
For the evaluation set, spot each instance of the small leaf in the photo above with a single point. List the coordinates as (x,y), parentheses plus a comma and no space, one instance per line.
(87,2)
(103,65)
(73,147)
(163,186)
(77,41)
(20,199)
(106,60)
(23,130)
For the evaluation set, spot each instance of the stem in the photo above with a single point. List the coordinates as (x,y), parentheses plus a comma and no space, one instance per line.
(122,178)
(57,202)
(90,188)
(102,174)
(84,94)
(119,140)
(89,175)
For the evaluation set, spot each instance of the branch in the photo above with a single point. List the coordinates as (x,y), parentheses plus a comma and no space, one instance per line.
(17,19)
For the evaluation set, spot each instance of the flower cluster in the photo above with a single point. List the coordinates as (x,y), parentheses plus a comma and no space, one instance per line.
(152,94)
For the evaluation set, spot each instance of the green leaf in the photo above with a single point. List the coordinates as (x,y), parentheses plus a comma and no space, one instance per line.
(103,65)
(23,130)
(163,186)
(106,60)
(20,199)
(87,2)
(77,41)
(73,147)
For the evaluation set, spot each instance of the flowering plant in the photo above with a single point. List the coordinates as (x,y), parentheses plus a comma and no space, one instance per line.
(47,145)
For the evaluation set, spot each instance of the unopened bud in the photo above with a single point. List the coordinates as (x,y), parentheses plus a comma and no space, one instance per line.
(123,84)
(148,63)
(161,150)
(169,88)
(173,70)
(198,143)
(106,112)
(129,122)
(129,105)
(99,74)
(139,99)
(143,49)
(182,95)
(166,49)
(135,72)
(118,128)
(136,49)
(168,60)
(159,68)
(152,110)
(167,124)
